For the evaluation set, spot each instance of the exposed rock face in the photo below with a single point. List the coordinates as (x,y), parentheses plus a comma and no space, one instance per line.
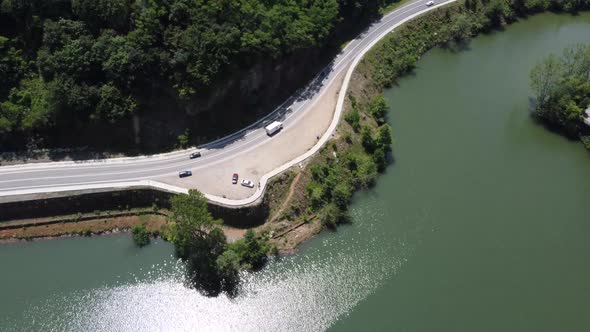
(228,105)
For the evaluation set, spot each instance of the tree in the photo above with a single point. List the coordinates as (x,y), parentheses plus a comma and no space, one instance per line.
(380,158)
(461,27)
(13,66)
(103,13)
(228,265)
(562,89)
(384,137)
(27,107)
(113,104)
(198,240)
(545,76)
(576,61)
(191,222)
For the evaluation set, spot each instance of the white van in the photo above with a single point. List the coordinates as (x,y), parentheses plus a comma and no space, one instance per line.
(273,128)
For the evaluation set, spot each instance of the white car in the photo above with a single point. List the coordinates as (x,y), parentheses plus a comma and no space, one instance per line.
(430,3)
(247,183)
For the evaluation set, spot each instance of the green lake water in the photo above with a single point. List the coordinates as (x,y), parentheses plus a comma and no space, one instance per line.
(481,224)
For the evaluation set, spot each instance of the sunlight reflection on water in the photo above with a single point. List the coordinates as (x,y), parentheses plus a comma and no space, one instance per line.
(307,291)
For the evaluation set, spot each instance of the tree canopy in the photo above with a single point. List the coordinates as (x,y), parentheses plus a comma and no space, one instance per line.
(98,61)
(562,89)
(200,241)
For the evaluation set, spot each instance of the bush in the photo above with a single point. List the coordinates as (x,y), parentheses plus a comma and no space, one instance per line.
(251,251)
(315,192)
(348,137)
(141,236)
(184,139)
(380,158)
(384,137)
(367,139)
(342,194)
(353,118)
(332,215)
(378,109)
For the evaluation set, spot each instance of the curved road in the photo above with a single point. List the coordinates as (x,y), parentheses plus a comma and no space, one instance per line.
(59,176)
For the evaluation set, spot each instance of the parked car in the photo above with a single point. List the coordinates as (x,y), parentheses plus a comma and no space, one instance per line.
(247,183)
(184,174)
(430,3)
(195,155)
(234,178)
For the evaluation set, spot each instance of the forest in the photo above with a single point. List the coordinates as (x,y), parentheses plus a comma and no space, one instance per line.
(135,75)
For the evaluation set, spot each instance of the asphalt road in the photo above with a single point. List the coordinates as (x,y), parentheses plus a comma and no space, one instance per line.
(50,176)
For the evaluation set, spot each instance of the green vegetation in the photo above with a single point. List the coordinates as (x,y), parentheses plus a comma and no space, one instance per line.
(562,91)
(199,240)
(364,149)
(351,165)
(85,66)
(249,252)
(450,26)
(141,236)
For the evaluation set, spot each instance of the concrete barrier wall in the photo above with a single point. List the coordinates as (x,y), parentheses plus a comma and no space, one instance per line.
(121,200)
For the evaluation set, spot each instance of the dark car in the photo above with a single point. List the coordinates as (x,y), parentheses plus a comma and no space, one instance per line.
(234,178)
(184,174)
(195,155)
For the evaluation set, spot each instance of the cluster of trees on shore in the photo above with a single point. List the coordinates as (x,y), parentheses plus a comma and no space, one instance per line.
(213,263)
(350,165)
(562,90)
(70,65)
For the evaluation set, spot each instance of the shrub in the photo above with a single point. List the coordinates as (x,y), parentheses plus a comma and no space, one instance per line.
(342,194)
(348,137)
(367,139)
(380,158)
(141,236)
(250,250)
(332,215)
(315,192)
(184,139)
(384,137)
(378,109)
(353,118)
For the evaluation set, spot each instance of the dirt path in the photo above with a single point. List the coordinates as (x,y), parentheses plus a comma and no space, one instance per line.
(286,201)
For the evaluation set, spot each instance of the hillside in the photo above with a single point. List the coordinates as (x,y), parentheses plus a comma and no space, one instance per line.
(133,76)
